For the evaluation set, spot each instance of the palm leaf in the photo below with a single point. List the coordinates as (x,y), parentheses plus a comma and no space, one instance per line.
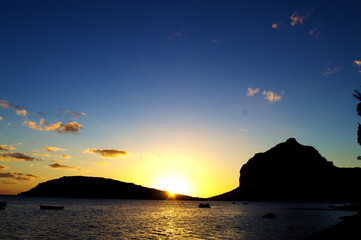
(357,95)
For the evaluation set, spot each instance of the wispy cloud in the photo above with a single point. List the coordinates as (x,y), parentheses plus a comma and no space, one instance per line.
(59,127)
(19,176)
(107,153)
(299,18)
(176,34)
(4,104)
(251,92)
(243,130)
(73,113)
(58,165)
(19,110)
(329,70)
(271,96)
(6,182)
(54,149)
(314,32)
(41,154)
(65,156)
(15,156)
(2,167)
(102,163)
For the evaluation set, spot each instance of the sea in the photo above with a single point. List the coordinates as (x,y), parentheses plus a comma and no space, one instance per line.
(162,219)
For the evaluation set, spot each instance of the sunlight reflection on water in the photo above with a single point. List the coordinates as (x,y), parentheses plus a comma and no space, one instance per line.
(143,219)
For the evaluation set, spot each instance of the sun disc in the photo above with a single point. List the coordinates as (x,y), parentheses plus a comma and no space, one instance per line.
(173,185)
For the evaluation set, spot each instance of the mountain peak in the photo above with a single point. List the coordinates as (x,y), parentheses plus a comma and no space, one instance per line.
(291,141)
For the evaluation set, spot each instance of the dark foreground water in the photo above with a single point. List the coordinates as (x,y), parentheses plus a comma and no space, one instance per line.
(145,219)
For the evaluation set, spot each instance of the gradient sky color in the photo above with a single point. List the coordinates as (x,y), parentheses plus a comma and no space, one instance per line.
(150,91)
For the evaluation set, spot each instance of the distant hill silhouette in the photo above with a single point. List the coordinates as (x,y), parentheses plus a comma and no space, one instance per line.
(293,172)
(96,187)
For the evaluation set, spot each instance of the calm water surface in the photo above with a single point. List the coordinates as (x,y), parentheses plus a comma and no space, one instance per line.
(146,219)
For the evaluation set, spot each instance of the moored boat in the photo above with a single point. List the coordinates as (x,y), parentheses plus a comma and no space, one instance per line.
(204,205)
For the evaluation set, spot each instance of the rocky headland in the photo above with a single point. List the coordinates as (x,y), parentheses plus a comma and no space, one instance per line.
(294,172)
(96,187)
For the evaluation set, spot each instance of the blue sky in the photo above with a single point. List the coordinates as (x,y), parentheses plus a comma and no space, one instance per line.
(185,82)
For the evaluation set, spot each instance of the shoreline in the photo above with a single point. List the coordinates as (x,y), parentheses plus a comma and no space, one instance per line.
(348,228)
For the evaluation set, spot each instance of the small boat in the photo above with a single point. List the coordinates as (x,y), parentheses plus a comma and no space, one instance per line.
(204,205)
(46,207)
(3,204)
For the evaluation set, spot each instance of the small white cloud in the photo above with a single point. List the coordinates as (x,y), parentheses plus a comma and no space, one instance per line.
(329,70)
(243,130)
(176,34)
(298,18)
(314,32)
(102,163)
(271,96)
(54,149)
(251,92)
(21,112)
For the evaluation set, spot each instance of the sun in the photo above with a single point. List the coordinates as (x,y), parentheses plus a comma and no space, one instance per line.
(173,185)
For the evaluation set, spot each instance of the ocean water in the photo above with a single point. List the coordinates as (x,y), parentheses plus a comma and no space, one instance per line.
(168,219)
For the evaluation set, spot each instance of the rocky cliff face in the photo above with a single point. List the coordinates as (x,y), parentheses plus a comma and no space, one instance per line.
(294,172)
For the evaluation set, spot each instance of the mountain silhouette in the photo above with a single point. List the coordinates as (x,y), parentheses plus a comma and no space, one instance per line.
(294,172)
(96,187)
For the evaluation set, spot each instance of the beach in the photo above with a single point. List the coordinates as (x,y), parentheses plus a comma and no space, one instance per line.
(348,228)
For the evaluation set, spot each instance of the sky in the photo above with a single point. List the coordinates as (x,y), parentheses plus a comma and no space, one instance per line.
(174,95)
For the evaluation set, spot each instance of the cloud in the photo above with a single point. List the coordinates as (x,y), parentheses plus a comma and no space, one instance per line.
(107,153)
(1,118)
(41,154)
(6,182)
(103,163)
(19,110)
(4,104)
(19,176)
(70,127)
(2,167)
(271,96)
(243,130)
(176,34)
(65,156)
(58,165)
(297,18)
(251,92)
(275,26)
(16,156)
(314,32)
(357,63)
(54,149)
(329,70)
(73,113)
(6,147)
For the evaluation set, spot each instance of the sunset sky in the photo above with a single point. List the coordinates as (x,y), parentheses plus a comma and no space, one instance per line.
(176,95)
